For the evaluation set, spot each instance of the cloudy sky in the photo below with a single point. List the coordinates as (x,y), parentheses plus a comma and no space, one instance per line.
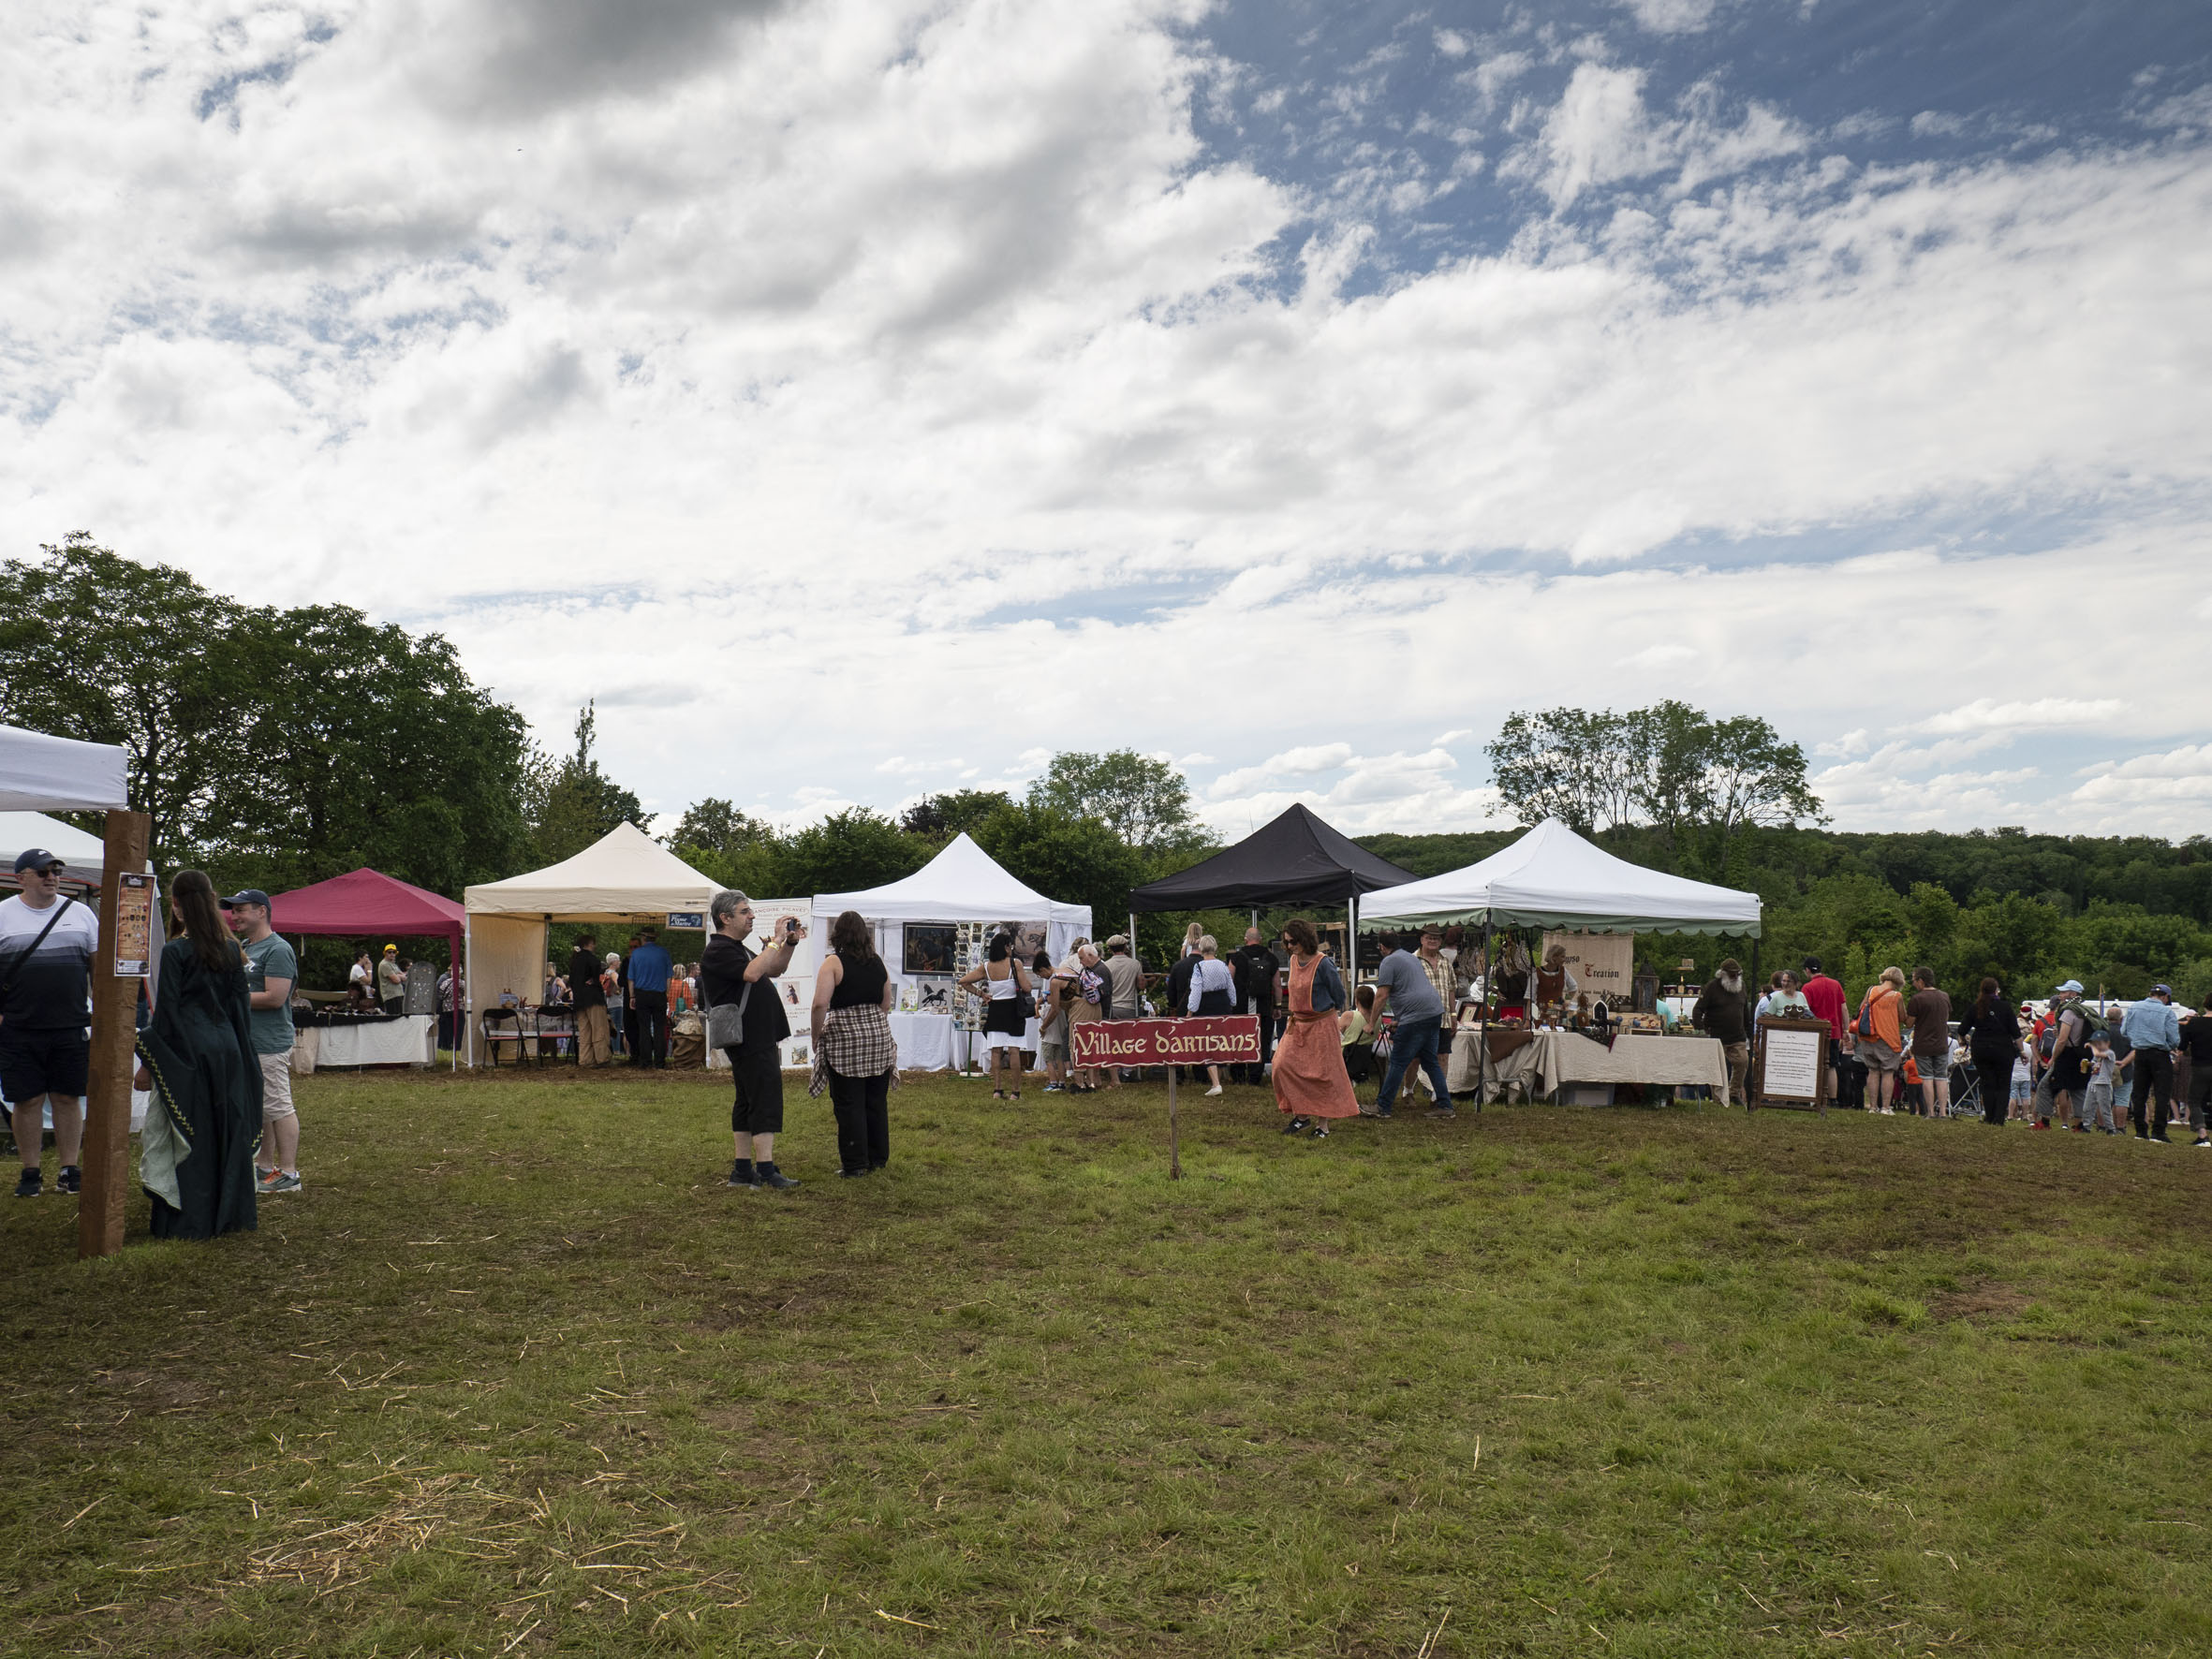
(861,399)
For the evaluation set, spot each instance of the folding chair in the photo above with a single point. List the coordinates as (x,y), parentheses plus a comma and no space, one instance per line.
(511,1019)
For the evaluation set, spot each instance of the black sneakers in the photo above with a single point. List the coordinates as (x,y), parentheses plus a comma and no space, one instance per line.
(71,1180)
(1296,1126)
(770,1176)
(741,1173)
(30,1185)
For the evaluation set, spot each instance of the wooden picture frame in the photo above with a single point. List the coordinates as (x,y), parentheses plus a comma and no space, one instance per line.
(1777,1079)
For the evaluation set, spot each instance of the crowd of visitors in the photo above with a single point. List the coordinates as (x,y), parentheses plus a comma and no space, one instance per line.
(2086,1068)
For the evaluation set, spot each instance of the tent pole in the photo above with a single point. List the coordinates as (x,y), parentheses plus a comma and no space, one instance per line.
(1482,1024)
(106,1157)
(1352,949)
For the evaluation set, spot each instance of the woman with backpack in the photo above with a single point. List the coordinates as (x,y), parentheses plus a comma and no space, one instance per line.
(1880,1035)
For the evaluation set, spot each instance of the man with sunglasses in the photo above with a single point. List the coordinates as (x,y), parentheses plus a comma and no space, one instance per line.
(46,950)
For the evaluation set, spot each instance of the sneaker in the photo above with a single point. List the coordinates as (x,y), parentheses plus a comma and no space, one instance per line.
(770,1176)
(30,1185)
(264,1179)
(1382,1111)
(1054,1088)
(1442,1111)
(741,1173)
(1321,1131)
(1214,1090)
(1295,1126)
(849,1174)
(283,1184)
(2201,1140)
(2081,1128)
(70,1180)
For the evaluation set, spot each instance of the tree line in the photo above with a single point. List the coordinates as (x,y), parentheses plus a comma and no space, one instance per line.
(275,747)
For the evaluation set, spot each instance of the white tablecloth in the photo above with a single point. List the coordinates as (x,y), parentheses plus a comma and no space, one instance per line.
(929,1042)
(1565,1056)
(410,1040)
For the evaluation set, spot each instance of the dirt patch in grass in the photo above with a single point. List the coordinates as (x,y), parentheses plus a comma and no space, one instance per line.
(1988,1300)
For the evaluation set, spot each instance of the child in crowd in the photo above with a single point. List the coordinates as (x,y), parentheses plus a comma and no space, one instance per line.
(2097,1097)
(2023,1091)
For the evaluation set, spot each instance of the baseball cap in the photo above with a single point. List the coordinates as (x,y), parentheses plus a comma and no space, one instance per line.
(2161,990)
(245,896)
(2072,985)
(393,950)
(34,857)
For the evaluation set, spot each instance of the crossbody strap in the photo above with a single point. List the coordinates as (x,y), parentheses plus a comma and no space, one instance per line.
(31,949)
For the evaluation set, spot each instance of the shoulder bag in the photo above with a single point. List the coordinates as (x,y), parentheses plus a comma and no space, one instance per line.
(726,1021)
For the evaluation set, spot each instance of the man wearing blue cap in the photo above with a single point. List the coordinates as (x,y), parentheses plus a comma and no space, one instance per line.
(46,950)
(272,969)
(2155,1029)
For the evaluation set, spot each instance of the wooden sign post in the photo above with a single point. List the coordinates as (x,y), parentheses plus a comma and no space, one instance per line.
(114,1039)
(1230,1039)
(1789,1068)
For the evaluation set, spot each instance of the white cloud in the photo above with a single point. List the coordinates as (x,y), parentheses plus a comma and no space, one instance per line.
(1671,16)
(1989,714)
(899,375)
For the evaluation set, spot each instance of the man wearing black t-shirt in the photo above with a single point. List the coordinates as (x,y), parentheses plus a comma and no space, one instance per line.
(589,999)
(729,973)
(1255,967)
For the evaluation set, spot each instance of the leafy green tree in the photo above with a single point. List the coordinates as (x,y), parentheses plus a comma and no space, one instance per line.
(1075,859)
(1143,799)
(1669,742)
(98,647)
(716,826)
(366,746)
(1752,777)
(940,817)
(1571,764)
(845,853)
(573,803)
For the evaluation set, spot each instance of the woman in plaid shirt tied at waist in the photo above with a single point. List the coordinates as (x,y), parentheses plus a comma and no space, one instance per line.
(855,1057)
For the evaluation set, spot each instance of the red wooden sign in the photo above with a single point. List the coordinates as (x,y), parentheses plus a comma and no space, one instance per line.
(1226,1039)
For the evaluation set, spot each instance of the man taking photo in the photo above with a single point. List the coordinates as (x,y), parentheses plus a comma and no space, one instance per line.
(270,971)
(46,950)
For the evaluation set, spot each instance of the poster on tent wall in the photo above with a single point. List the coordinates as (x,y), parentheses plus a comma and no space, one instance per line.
(1603,964)
(972,949)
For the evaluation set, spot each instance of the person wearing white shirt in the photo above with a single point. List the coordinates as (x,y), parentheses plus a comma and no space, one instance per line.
(1212,992)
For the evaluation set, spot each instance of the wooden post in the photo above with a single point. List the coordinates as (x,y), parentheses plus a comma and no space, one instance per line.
(1175,1138)
(114,1033)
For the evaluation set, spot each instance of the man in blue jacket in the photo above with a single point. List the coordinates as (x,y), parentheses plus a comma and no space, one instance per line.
(649,970)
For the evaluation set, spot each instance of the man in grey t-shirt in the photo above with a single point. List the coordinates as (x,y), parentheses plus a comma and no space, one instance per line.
(271,972)
(1403,986)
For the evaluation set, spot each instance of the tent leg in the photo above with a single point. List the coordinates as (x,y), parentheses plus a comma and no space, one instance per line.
(114,1030)
(1483,1025)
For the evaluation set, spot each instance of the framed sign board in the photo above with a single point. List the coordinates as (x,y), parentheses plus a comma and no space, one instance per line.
(1789,1066)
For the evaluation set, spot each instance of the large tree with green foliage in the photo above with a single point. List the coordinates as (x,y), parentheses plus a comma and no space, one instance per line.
(276,746)
(572,801)
(1142,798)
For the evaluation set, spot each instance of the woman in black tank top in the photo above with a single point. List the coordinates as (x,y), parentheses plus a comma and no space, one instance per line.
(854,1055)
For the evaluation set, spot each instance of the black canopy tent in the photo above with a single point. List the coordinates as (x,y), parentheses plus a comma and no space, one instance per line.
(1295,859)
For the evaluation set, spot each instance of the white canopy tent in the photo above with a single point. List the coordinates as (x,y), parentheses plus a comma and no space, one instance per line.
(83,856)
(1553,878)
(625,877)
(961,883)
(964,883)
(41,774)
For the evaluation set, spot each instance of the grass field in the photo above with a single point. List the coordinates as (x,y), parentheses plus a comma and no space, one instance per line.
(517,1376)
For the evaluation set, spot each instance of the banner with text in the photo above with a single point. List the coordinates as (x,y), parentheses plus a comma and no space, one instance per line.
(1230,1039)
(1603,964)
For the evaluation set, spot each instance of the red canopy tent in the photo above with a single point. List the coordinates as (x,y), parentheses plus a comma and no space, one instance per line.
(370,902)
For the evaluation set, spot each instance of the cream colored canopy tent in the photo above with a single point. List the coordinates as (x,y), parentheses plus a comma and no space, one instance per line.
(623,877)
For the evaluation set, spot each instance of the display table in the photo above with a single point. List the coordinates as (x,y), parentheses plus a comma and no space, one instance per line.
(931,1042)
(410,1040)
(1540,1061)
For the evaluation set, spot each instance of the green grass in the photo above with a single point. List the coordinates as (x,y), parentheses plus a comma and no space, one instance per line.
(517,1376)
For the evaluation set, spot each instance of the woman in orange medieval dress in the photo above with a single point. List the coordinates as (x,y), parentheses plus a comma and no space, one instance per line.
(1310,1082)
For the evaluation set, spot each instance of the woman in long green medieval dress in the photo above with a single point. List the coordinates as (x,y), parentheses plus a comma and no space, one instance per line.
(197,1157)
